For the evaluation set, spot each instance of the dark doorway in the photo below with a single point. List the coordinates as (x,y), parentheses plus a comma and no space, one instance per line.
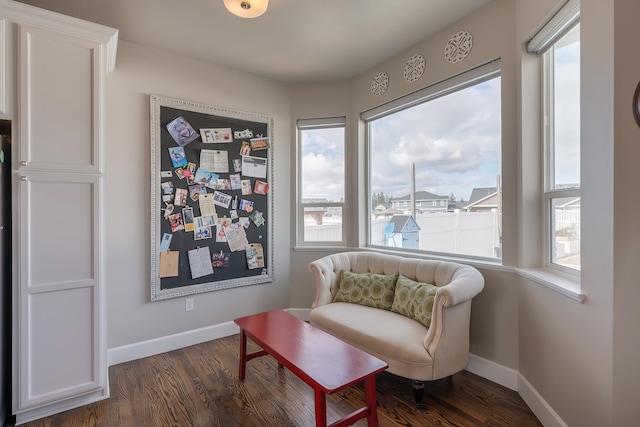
(5,271)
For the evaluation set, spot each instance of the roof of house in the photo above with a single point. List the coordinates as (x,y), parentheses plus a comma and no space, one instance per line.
(400,221)
(480,193)
(421,195)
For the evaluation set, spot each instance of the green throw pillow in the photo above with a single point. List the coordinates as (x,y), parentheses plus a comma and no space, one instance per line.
(414,300)
(373,290)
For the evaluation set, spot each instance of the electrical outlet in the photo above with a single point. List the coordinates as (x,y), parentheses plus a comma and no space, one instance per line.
(188,304)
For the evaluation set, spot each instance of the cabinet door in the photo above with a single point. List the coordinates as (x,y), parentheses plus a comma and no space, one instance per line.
(60,96)
(61,319)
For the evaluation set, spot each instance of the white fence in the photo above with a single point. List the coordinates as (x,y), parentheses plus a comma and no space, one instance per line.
(568,220)
(464,233)
(327,232)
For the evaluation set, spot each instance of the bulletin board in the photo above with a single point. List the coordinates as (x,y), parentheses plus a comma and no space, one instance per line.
(211,198)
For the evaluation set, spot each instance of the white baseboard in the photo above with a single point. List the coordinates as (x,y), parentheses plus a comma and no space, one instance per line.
(507,377)
(25,416)
(493,371)
(545,413)
(300,313)
(514,380)
(159,345)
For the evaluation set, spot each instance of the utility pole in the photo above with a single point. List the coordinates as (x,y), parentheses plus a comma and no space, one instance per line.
(413,190)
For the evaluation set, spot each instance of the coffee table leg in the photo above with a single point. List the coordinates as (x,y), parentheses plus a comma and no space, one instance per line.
(370,396)
(321,408)
(243,354)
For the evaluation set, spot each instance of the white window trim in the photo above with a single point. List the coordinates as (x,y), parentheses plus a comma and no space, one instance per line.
(567,286)
(560,23)
(563,280)
(452,84)
(569,22)
(471,77)
(307,124)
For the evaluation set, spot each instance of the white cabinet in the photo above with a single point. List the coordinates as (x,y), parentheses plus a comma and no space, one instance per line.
(60,328)
(60,100)
(59,337)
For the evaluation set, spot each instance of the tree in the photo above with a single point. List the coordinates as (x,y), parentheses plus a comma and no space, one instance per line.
(380,199)
(452,198)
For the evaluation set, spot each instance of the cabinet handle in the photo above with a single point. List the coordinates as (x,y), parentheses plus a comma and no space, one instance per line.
(23,163)
(23,178)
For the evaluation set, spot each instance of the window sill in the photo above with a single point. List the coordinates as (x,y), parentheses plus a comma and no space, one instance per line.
(568,287)
(318,247)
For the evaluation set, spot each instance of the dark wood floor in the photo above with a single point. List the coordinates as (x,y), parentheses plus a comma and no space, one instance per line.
(198,386)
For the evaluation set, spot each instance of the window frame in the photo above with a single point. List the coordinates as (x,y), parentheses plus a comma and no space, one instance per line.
(569,21)
(315,124)
(452,84)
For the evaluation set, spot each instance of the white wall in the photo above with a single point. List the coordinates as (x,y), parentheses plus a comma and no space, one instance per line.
(565,348)
(140,71)
(626,176)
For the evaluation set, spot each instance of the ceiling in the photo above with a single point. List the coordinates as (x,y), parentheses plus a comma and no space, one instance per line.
(294,41)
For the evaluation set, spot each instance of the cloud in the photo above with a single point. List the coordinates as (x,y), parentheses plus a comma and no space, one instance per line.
(322,166)
(449,139)
(567,114)
(454,141)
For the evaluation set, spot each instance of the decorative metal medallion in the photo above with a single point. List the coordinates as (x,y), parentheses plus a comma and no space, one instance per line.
(414,68)
(380,83)
(458,47)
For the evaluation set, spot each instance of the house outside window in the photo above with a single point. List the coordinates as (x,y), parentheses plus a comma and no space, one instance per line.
(450,135)
(321,181)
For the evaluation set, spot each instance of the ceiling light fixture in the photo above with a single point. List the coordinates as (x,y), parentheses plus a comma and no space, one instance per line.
(246,8)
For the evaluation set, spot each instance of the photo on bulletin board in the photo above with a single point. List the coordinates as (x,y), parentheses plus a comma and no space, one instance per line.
(211,198)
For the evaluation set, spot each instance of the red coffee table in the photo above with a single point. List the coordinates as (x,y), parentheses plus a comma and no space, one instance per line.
(323,361)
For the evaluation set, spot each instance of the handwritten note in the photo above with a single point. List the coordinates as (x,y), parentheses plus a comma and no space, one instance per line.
(200,262)
(169,264)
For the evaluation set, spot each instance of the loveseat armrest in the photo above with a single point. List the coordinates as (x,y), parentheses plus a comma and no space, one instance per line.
(466,282)
(447,340)
(326,276)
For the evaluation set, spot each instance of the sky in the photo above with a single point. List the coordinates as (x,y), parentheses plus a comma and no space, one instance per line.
(322,155)
(567,110)
(455,142)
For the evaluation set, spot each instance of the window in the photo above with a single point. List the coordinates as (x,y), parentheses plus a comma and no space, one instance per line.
(559,44)
(446,139)
(321,186)
(562,118)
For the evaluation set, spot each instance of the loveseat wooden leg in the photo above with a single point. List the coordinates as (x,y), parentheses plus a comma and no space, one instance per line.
(418,392)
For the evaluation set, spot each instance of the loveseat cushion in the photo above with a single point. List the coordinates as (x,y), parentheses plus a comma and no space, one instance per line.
(414,299)
(372,290)
(392,337)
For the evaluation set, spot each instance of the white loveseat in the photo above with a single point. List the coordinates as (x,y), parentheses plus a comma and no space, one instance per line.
(411,349)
